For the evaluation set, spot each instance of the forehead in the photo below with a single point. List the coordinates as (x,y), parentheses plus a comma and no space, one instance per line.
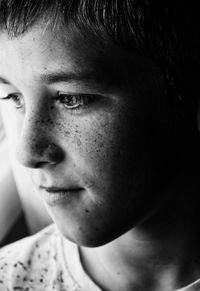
(38,50)
(42,50)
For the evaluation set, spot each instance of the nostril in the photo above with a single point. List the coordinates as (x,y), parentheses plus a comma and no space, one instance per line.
(53,154)
(36,154)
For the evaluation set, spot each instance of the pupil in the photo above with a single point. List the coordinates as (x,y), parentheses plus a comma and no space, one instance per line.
(71,100)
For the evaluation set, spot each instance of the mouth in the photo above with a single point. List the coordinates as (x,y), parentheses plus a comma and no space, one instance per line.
(55,196)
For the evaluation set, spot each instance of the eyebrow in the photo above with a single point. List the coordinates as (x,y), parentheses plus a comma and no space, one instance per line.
(60,76)
(55,77)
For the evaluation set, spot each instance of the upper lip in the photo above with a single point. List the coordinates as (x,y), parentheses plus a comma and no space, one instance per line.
(54,189)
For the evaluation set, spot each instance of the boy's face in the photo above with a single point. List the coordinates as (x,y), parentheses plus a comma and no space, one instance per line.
(83,119)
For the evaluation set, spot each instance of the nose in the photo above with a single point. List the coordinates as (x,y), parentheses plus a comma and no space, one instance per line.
(37,146)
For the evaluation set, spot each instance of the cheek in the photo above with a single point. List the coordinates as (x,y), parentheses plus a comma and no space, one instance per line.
(11,127)
(104,148)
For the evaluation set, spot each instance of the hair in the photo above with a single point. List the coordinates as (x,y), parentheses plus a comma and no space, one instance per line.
(164,31)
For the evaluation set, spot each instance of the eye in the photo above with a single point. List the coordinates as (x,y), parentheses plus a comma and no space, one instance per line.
(16,98)
(74,101)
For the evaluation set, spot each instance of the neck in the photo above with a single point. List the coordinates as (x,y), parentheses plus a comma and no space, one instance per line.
(159,254)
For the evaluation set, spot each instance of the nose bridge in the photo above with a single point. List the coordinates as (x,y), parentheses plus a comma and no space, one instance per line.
(35,126)
(33,136)
(36,144)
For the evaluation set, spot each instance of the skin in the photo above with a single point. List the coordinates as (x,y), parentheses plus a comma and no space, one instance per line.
(119,148)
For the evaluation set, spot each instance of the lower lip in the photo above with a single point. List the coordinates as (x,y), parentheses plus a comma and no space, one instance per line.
(62,197)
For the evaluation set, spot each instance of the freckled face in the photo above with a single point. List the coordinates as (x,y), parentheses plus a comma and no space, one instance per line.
(81,114)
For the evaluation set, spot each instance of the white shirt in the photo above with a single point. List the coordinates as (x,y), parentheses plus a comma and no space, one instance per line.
(40,262)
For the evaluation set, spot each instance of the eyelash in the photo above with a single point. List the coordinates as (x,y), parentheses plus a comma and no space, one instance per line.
(80,99)
(13,97)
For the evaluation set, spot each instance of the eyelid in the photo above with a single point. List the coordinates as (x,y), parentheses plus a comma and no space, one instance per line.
(9,95)
(84,95)
(13,97)
(60,93)
(77,102)
(79,97)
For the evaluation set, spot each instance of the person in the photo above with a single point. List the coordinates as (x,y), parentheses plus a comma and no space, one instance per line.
(100,103)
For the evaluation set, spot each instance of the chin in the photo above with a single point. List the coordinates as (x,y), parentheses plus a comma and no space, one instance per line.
(85,237)
(88,236)
(90,230)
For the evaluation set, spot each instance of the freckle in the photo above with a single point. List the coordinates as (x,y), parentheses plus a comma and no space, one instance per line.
(86,210)
(78,142)
(52,107)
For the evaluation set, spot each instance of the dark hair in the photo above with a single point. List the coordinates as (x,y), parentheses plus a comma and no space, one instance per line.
(163,30)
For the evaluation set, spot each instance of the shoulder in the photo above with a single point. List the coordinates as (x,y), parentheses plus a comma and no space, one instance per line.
(27,259)
(26,246)
(36,263)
